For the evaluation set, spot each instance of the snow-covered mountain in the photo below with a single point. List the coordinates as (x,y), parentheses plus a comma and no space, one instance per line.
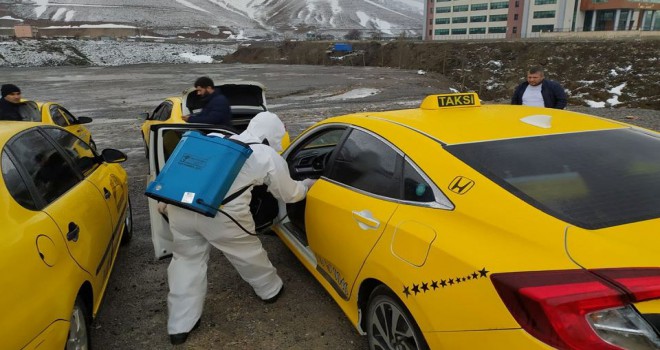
(390,17)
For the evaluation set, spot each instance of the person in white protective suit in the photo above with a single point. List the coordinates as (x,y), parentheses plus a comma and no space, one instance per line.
(194,233)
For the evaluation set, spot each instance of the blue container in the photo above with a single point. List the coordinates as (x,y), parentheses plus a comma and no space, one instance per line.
(199,173)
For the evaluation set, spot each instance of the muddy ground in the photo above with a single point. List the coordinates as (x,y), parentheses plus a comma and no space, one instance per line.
(135,312)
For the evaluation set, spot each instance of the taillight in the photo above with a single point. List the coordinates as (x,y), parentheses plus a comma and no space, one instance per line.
(577,309)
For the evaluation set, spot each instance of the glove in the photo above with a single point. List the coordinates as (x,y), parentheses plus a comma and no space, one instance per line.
(162,208)
(308,183)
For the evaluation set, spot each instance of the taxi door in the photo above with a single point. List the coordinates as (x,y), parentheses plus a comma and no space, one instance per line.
(52,113)
(348,210)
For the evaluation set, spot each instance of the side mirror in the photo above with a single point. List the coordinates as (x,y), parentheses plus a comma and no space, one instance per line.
(144,115)
(111,155)
(84,120)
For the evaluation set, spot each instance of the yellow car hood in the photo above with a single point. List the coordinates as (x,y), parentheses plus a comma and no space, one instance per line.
(630,245)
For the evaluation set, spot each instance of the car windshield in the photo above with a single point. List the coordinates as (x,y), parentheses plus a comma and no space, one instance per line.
(591,179)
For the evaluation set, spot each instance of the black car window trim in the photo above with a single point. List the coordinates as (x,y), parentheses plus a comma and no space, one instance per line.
(56,115)
(68,115)
(440,200)
(301,142)
(37,199)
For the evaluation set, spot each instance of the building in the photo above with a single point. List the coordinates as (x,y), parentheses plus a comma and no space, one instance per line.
(482,19)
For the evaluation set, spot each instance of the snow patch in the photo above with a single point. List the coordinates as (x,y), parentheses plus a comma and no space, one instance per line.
(58,14)
(191,5)
(196,58)
(41,7)
(617,90)
(353,94)
(594,104)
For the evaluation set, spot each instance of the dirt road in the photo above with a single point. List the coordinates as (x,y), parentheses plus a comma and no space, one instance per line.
(135,312)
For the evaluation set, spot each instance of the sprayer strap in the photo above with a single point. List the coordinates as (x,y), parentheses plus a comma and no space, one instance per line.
(234,195)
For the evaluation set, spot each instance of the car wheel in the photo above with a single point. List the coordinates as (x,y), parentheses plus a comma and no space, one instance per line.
(128,225)
(79,338)
(92,144)
(389,323)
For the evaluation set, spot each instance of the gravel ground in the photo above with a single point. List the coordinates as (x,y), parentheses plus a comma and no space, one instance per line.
(134,312)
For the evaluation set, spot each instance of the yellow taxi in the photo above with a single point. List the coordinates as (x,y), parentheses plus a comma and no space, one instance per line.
(246,99)
(54,113)
(458,225)
(65,210)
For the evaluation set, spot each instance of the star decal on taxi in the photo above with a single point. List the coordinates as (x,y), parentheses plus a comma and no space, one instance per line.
(434,285)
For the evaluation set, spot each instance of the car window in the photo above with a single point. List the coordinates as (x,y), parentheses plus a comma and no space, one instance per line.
(593,179)
(58,117)
(51,173)
(29,111)
(82,154)
(162,112)
(368,164)
(68,116)
(15,184)
(415,188)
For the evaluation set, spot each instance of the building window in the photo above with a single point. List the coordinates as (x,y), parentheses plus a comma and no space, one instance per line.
(479,7)
(497,30)
(459,31)
(478,30)
(499,5)
(443,0)
(461,8)
(498,18)
(543,28)
(443,9)
(544,2)
(442,32)
(599,1)
(442,21)
(517,4)
(544,14)
(459,20)
(515,16)
(515,30)
(478,18)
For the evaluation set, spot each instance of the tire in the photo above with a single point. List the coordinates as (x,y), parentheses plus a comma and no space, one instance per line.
(127,234)
(79,337)
(390,325)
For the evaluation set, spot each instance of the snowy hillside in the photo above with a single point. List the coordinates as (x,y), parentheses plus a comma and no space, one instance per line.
(270,16)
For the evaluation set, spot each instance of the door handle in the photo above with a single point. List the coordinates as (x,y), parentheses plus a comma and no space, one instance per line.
(73,233)
(366,220)
(106,193)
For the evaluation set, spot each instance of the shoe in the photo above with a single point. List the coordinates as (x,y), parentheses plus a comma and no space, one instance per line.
(181,338)
(274,298)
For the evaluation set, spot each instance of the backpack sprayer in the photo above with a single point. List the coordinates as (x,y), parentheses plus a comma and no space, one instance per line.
(199,173)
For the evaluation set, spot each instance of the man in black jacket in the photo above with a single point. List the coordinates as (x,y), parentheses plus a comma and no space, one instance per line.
(10,102)
(540,92)
(216,110)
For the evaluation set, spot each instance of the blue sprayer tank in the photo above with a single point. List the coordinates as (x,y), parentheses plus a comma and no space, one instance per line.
(199,173)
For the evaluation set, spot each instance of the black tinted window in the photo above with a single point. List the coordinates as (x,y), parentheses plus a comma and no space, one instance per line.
(57,116)
(163,111)
(51,173)
(368,164)
(415,188)
(15,184)
(29,111)
(82,155)
(591,179)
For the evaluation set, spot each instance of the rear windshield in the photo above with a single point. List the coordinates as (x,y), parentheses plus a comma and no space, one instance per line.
(591,179)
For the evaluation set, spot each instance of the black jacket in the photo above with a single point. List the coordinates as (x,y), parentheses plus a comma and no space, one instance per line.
(9,111)
(216,111)
(554,95)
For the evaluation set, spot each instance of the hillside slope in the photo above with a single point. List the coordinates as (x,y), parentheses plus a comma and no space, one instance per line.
(605,73)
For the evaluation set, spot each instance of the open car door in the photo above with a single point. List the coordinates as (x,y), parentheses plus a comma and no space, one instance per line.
(163,139)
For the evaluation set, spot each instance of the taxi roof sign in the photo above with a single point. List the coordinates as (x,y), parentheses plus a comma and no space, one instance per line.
(441,101)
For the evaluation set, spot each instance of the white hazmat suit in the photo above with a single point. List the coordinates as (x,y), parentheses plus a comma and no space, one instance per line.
(194,233)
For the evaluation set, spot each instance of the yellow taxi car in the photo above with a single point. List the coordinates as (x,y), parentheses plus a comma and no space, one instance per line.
(54,113)
(65,210)
(246,99)
(458,225)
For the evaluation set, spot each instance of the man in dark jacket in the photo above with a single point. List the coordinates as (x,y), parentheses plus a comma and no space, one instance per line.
(216,110)
(10,102)
(540,92)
